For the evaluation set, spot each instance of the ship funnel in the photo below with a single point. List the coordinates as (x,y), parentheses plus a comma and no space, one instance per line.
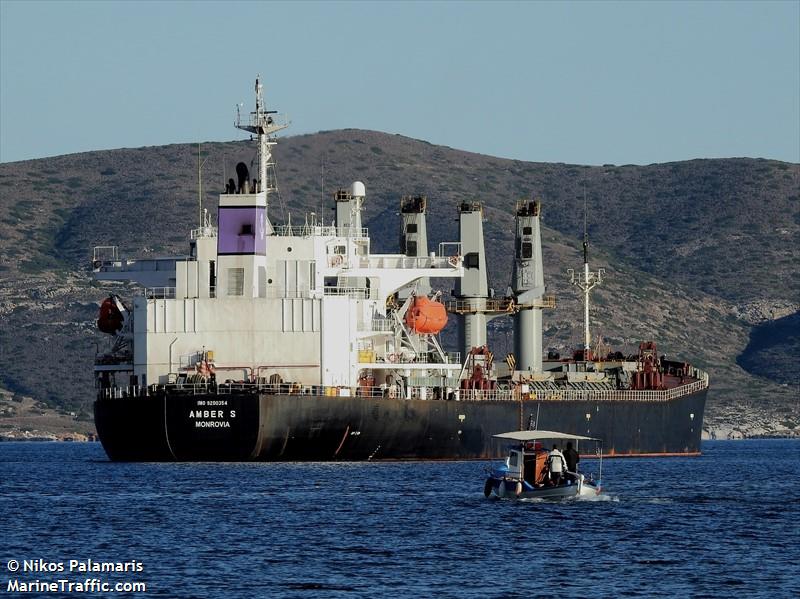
(243,175)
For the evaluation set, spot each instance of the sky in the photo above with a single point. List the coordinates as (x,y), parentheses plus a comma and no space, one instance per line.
(576,82)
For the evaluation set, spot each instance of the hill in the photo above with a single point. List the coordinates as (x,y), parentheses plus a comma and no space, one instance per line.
(697,253)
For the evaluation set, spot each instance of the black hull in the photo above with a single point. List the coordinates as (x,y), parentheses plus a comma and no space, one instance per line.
(239,427)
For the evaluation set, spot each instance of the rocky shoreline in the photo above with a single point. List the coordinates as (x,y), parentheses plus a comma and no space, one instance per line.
(43,436)
(22,418)
(726,433)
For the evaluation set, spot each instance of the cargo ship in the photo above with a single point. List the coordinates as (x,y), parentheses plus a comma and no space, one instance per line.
(296,342)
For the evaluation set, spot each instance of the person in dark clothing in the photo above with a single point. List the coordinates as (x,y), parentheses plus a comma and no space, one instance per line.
(572,458)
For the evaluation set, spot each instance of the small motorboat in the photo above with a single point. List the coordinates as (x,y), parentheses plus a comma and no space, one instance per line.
(527,474)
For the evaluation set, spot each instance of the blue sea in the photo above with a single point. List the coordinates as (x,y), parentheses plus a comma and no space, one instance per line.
(721,525)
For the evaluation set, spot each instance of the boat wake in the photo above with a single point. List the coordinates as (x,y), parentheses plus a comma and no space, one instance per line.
(599,497)
(577,498)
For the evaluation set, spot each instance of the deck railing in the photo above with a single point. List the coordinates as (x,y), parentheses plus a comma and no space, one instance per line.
(273,293)
(199,232)
(227,388)
(102,254)
(497,305)
(357,292)
(310,230)
(404,262)
(584,394)
(379,325)
(156,292)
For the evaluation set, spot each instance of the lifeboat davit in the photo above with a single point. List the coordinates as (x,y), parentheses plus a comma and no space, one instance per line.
(426,316)
(110,318)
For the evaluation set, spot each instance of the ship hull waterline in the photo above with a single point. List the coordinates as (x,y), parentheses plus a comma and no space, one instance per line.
(287,427)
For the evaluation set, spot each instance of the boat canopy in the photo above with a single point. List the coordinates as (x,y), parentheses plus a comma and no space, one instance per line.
(537,435)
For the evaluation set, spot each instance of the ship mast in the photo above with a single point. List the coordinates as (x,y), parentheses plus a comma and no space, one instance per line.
(586,281)
(263,125)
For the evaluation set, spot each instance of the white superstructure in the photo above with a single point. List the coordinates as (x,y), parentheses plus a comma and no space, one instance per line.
(303,304)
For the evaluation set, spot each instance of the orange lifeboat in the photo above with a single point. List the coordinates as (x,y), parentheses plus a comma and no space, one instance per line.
(426,316)
(110,318)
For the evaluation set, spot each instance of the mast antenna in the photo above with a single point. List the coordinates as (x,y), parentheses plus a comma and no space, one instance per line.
(264,126)
(586,280)
(585,226)
(200,186)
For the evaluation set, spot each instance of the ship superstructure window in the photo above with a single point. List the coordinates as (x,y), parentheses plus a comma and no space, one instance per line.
(236,281)
(212,279)
(411,248)
(339,249)
(411,228)
(472,260)
(527,230)
(527,250)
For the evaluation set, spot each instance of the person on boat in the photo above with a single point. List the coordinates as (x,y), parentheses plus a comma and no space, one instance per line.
(572,458)
(557,465)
